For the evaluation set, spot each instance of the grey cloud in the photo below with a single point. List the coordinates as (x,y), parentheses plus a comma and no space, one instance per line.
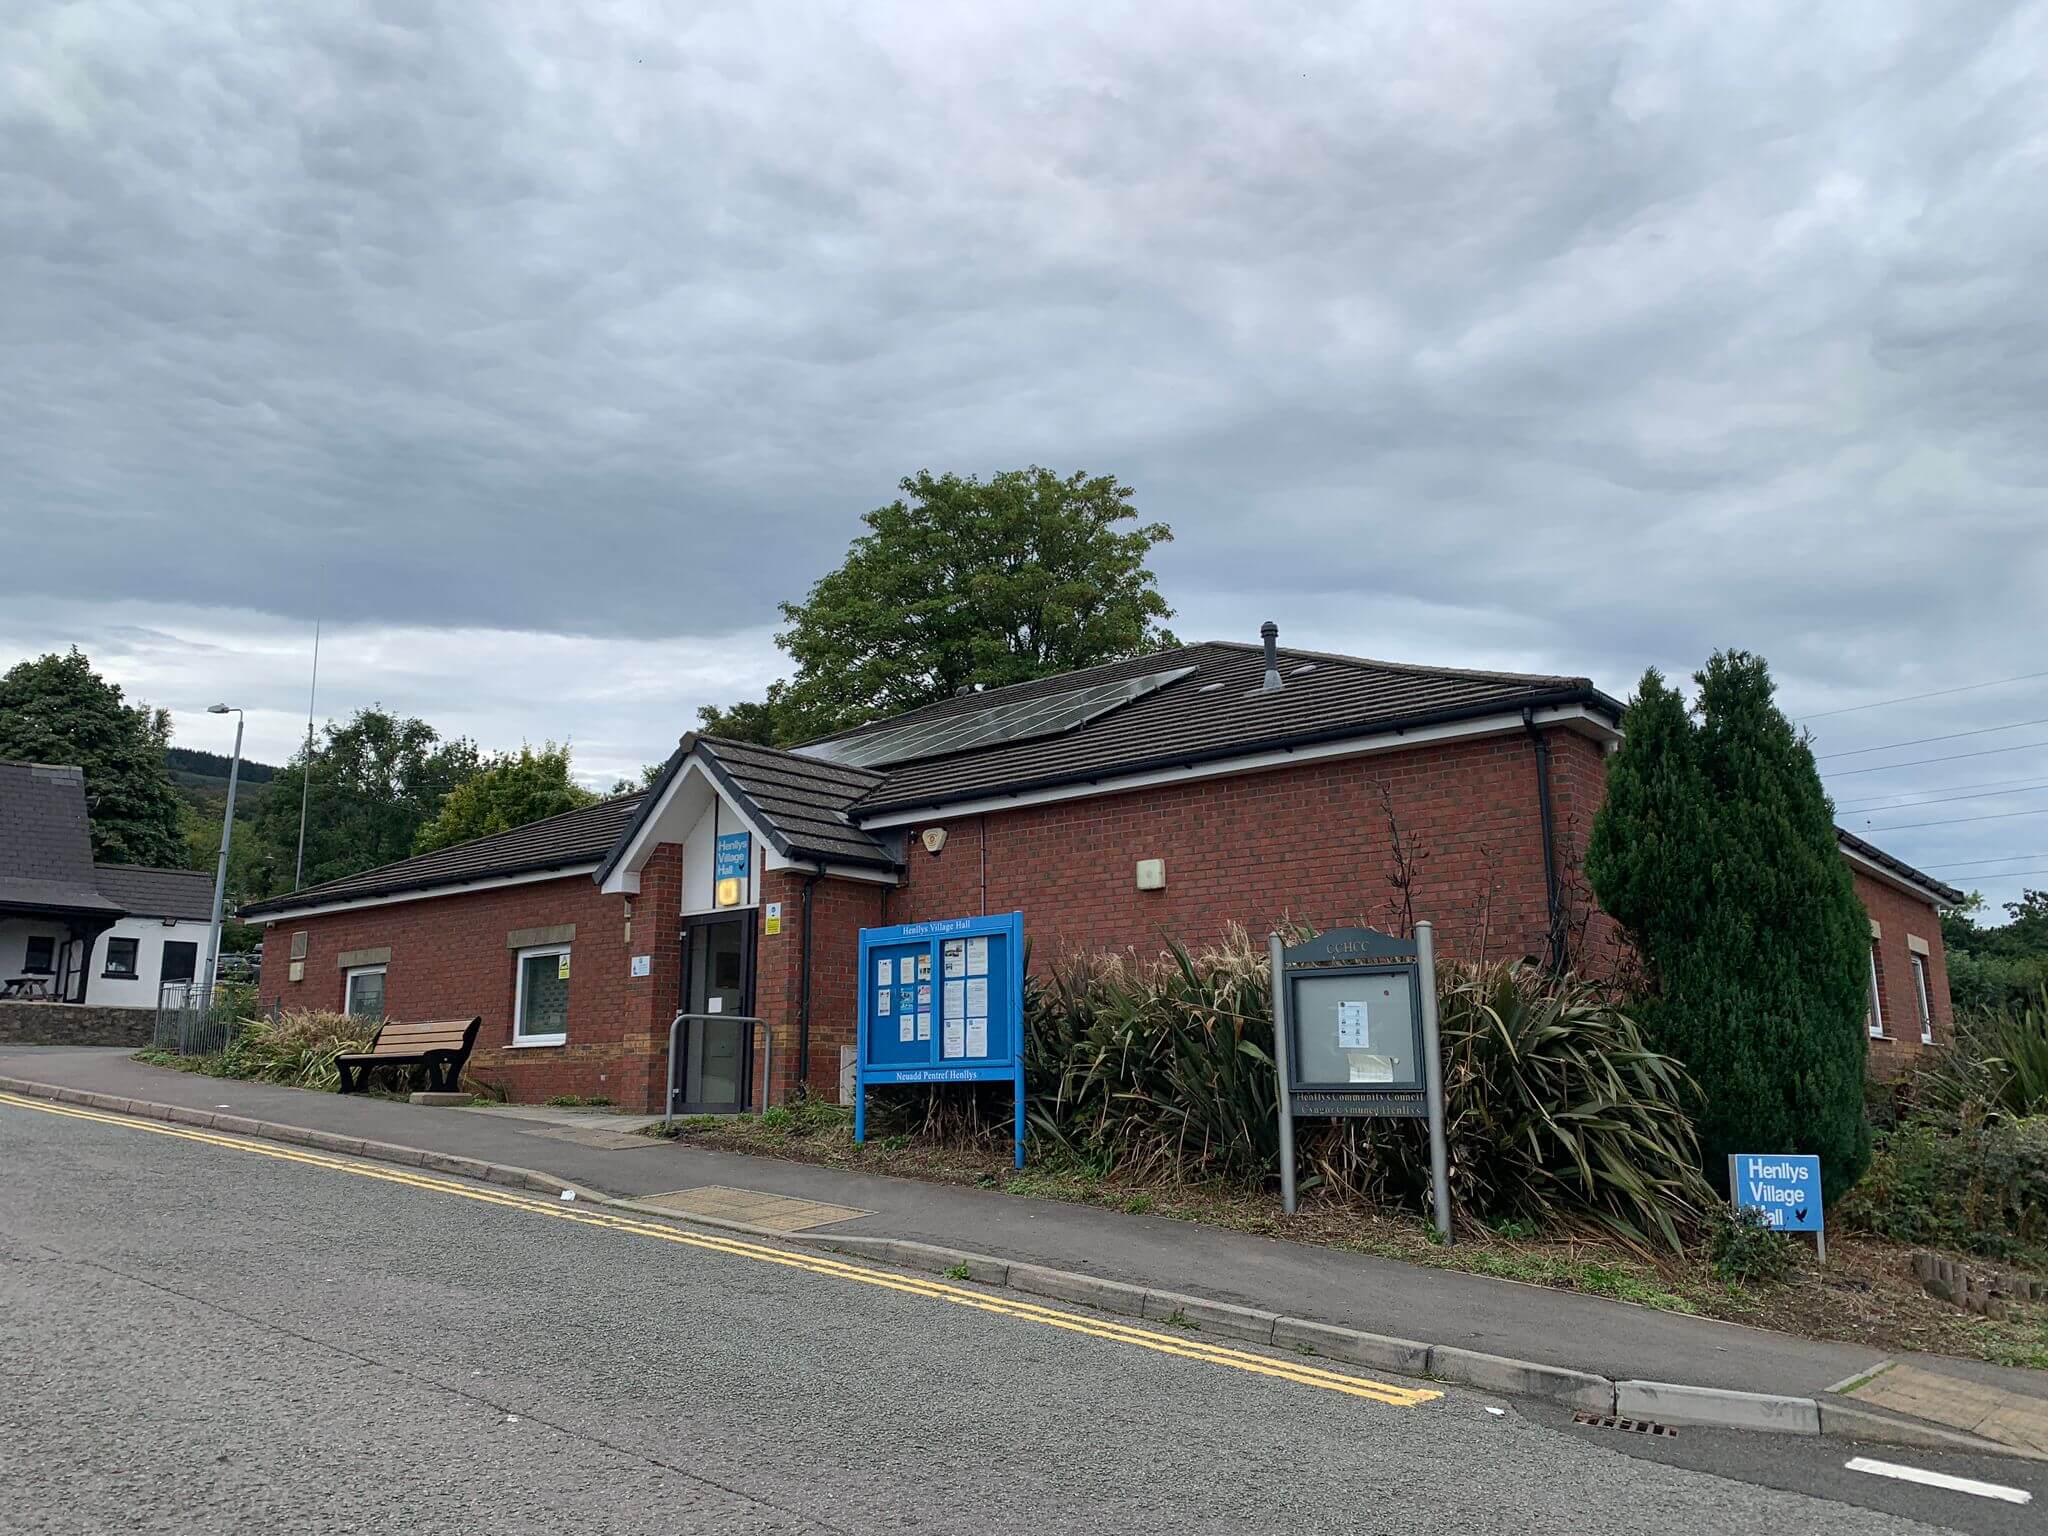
(1576,336)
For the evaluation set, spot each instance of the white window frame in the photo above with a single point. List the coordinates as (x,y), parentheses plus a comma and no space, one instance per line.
(134,971)
(520,957)
(1926,1003)
(348,989)
(1875,1018)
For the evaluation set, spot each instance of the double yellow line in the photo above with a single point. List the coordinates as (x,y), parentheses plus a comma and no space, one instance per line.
(1097,1327)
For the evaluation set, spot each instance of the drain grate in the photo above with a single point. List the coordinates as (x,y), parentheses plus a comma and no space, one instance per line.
(1632,1426)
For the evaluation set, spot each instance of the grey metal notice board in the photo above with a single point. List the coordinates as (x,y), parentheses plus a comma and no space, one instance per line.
(1355,1035)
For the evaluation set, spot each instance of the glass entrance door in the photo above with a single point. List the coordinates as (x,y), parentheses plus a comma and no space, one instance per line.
(718,978)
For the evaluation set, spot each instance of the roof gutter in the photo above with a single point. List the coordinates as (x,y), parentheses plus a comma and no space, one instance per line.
(310,901)
(1554,699)
(1880,865)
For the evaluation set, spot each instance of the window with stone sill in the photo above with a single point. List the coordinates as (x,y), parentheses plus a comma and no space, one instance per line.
(540,1005)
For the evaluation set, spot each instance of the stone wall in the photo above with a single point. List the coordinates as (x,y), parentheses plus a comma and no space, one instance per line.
(75,1024)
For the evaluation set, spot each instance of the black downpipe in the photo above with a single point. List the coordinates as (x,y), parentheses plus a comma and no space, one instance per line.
(803,1003)
(1550,886)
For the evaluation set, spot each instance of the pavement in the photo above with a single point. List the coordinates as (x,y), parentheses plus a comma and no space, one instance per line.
(1445,1308)
(203,1332)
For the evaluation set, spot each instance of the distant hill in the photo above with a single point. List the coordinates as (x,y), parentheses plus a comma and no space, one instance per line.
(191,769)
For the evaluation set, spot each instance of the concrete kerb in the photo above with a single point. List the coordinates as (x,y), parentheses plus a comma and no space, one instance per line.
(1664,1402)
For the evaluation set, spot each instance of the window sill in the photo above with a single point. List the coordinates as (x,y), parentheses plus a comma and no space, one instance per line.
(1878,1034)
(528,1042)
(119,976)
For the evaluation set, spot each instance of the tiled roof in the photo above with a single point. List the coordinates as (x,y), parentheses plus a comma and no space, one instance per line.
(46,840)
(1216,712)
(572,839)
(811,808)
(146,892)
(1948,893)
(801,802)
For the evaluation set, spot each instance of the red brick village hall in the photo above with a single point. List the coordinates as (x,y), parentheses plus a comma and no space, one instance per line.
(1116,808)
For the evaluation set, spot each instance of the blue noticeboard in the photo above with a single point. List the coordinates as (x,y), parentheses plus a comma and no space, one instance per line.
(941,1002)
(1785,1186)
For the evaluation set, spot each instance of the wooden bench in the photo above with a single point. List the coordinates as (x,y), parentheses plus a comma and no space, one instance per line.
(442,1046)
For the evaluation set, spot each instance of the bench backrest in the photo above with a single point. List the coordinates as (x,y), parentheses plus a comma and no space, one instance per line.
(398,1039)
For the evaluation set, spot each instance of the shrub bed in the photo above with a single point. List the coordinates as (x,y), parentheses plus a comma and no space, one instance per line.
(1980,1190)
(296,1049)
(1557,1114)
(1964,1166)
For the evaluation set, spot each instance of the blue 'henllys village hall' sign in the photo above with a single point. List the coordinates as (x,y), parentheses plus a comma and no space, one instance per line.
(1784,1186)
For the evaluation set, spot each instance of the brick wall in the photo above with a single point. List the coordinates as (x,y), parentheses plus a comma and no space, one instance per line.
(839,910)
(1313,842)
(449,959)
(1901,919)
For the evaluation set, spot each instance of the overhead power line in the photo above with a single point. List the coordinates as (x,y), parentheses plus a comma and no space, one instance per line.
(1922,762)
(1943,789)
(1900,826)
(1875,808)
(2008,874)
(2003,859)
(1921,741)
(1914,698)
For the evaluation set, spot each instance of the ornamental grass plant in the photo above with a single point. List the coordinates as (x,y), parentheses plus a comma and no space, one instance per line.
(297,1048)
(1558,1116)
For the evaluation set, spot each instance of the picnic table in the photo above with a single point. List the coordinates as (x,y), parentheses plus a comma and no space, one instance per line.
(26,987)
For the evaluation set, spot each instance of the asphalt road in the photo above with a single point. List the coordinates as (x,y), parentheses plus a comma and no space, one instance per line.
(197,1336)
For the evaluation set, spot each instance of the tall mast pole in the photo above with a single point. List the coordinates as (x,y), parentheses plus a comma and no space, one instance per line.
(306,770)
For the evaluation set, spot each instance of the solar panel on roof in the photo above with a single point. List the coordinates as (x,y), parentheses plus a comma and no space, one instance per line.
(1048,715)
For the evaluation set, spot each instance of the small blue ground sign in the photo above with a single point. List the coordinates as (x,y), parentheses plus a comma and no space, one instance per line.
(941,1002)
(1785,1186)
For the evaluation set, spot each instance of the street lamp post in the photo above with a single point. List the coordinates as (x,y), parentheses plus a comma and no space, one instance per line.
(227,835)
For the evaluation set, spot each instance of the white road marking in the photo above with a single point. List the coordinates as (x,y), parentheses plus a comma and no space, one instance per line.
(1939,1480)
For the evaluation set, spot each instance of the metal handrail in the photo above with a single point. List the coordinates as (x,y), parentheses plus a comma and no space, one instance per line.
(668,1103)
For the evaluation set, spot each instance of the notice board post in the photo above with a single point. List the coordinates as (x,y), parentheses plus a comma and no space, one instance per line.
(941,1002)
(1355,1034)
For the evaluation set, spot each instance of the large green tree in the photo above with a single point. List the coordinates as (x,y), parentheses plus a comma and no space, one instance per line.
(56,709)
(376,781)
(2001,966)
(964,583)
(511,790)
(1716,851)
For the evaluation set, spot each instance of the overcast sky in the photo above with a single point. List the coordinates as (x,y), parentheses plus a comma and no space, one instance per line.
(540,348)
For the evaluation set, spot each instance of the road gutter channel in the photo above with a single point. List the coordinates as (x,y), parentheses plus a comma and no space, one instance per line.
(1664,1402)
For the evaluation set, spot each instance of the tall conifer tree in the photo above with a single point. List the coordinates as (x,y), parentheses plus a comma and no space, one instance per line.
(1716,851)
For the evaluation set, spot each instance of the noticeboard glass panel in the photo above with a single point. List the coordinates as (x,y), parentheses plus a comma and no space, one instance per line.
(974,998)
(1356,1029)
(901,1012)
